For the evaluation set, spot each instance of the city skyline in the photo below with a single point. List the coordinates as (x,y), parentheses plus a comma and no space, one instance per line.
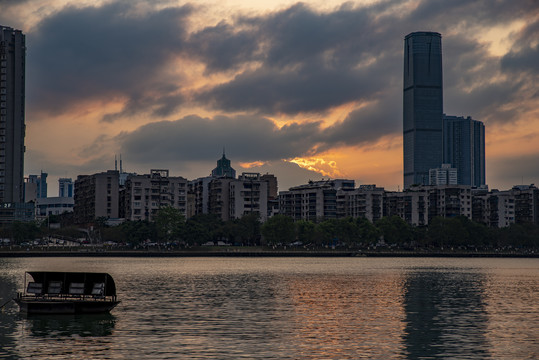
(284,87)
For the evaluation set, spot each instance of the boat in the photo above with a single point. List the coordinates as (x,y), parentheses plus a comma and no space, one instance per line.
(50,292)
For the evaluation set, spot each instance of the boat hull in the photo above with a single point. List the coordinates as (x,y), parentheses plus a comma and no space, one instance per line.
(68,306)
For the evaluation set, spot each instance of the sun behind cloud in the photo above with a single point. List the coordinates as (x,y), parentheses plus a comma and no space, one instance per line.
(319,165)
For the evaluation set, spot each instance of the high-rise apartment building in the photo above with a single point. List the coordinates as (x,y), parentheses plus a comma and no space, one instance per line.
(422,106)
(146,194)
(12,128)
(464,149)
(96,196)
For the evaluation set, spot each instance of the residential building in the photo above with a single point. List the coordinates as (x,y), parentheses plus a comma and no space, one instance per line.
(146,194)
(526,203)
(12,115)
(446,175)
(96,196)
(422,106)
(367,202)
(448,201)
(411,205)
(420,204)
(248,195)
(219,197)
(314,201)
(272,185)
(464,149)
(199,192)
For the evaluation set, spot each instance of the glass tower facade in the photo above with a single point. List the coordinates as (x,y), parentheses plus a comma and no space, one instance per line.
(464,149)
(422,106)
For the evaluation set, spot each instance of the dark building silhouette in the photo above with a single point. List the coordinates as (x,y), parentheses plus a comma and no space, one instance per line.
(422,106)
(464,149)
(12,99)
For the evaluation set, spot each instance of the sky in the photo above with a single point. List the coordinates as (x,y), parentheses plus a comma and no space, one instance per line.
(303,91)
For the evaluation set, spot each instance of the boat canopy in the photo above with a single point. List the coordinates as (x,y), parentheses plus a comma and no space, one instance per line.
(67,278)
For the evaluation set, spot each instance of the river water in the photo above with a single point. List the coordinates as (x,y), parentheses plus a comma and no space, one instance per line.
(287,308)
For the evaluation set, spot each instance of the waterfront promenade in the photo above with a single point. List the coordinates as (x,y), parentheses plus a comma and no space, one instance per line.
(260,252)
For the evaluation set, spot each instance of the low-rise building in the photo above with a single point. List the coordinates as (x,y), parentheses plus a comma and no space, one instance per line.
(56,205)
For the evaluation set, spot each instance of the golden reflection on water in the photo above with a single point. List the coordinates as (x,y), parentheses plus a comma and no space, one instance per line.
(355,316)
(511,317)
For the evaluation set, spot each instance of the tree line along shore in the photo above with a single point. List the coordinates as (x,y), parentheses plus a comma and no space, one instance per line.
(171,231)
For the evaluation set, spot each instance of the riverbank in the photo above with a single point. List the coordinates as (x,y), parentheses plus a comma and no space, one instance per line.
(262,252)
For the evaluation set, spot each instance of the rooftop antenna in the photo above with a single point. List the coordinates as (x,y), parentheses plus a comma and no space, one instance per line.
(121,169)
(115,163)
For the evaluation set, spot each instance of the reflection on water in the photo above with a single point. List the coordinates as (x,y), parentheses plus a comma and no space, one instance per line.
(57,326)
(293,308)
(445,314)
(347,317)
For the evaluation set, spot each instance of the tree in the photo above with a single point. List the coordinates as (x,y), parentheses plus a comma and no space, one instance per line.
(21,231)
(170,224)
(137,232)
(202,228)
(368,233)
(279,229)
(249,228)
(328,231)
(305,231)
(395,230)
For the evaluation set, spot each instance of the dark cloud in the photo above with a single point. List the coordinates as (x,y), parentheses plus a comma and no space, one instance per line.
(194,138)
(313,61)
(309,63)
(93,53)
(524,56)
(367,124)
(287,62)
(224,47)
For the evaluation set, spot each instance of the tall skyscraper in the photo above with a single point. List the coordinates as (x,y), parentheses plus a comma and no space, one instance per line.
(12,128)
(422,106)
(464,149)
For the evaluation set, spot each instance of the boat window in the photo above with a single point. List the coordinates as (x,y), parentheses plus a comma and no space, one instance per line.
(55,288)
(35,288)
(99,289)
(76,288)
